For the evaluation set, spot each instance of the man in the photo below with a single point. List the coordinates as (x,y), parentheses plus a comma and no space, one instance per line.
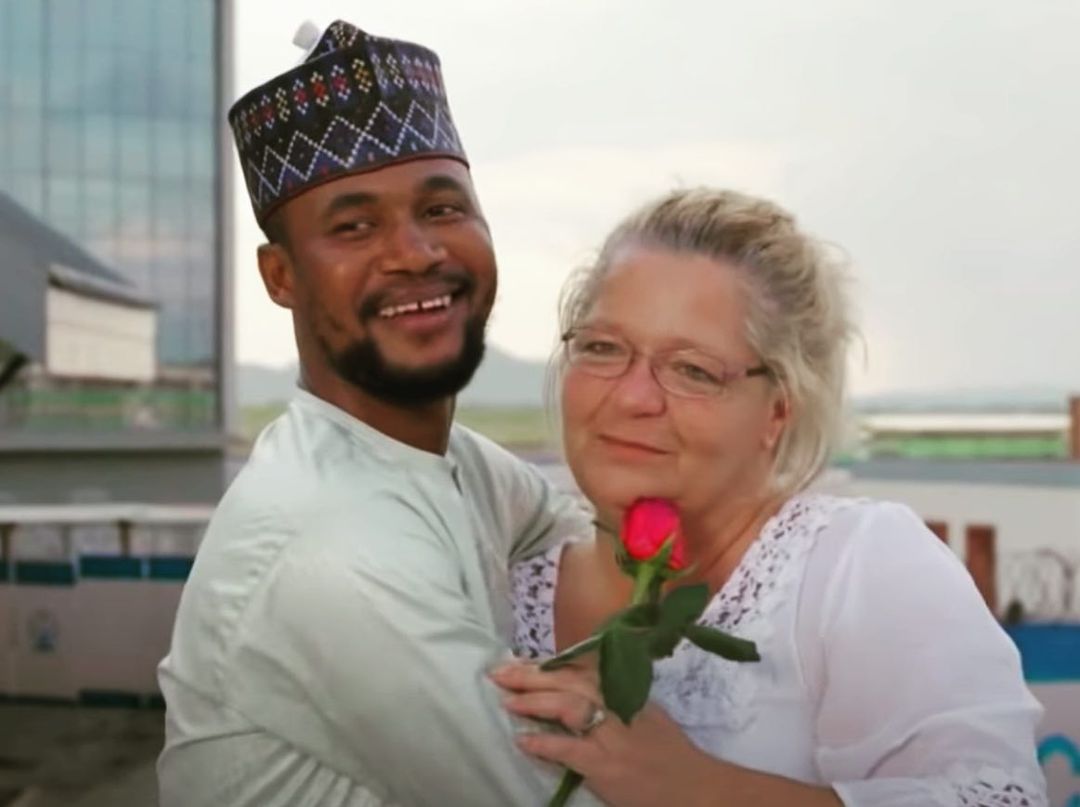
(332,640)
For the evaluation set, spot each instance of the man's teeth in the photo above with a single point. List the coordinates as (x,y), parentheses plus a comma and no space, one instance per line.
(434,303)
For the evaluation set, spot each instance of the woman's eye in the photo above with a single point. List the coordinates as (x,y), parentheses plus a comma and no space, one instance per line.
(694,372)
(602,347)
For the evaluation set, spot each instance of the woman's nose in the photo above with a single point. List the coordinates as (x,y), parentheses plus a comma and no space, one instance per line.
(637,390)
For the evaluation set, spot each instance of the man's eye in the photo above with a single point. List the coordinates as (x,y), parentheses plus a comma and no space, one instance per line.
(358,227)
(444,211)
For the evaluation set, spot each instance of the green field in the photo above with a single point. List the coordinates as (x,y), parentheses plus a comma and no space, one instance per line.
(970,448)
(517,428)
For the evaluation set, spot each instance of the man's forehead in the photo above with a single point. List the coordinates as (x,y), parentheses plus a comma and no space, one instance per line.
(400,180)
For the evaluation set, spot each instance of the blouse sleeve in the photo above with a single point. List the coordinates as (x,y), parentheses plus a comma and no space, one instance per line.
(921,695)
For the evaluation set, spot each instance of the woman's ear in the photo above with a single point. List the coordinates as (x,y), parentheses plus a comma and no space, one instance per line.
(779,415)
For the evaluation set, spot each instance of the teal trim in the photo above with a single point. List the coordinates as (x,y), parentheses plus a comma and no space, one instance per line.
(36,700)
(44,573)
(109,699)
(1060,745)
(1050,652)
(5,569)
(110,567)
(170,568)
(91,699)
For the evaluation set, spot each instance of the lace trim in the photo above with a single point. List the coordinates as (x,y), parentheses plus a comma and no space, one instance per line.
(533,584)
(699,689)
(694,687)
(988,786)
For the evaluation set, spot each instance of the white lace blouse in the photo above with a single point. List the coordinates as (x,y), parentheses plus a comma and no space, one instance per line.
(883,674)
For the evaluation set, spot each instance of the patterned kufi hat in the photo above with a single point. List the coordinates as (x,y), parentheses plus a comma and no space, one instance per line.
(356,103)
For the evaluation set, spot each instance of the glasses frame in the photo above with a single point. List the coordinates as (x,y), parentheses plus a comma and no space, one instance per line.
(730,374)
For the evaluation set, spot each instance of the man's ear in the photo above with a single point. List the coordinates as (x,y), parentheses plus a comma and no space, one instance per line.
(276,268)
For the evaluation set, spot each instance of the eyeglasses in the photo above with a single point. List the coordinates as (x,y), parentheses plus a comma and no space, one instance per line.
(685,372)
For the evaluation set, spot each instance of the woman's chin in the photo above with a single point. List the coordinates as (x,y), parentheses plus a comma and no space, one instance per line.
(616,490)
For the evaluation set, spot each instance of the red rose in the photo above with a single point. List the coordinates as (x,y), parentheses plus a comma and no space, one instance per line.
(647,525)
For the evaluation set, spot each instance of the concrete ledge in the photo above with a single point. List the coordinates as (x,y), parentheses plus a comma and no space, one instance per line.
(1025,473)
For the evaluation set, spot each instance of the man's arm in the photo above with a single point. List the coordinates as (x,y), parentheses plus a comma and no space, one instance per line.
(363,650)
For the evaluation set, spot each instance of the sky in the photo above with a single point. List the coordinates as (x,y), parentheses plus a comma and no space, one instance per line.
(934,141)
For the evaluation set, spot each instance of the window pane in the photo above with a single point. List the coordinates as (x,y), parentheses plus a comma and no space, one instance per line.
(171,25)
(26,189)
(170,213)
(101,24)
(63,64)
(27,152)
(133,23)
(101,83)
(201,210)
(100,146)
(101,208)
(201,28)
(200,150)
(25,79)
(64,143)
(64,206)
(134,249)
(26,21)
(170,152)
(134,147)
(131,83)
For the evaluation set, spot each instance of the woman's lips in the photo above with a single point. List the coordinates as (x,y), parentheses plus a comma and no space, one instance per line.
(631,446)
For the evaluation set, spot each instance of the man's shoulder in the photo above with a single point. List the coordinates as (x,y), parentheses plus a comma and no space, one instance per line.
(485,459)
(308,498)
(277,521)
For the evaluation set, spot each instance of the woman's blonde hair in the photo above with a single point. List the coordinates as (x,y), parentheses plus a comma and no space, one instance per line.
(798,318)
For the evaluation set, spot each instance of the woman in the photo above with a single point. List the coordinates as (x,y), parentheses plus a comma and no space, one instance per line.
(704,363)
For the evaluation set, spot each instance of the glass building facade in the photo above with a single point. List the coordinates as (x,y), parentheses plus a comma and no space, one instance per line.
(109,134)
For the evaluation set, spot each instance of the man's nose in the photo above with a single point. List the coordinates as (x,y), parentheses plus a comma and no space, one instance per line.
(410,247)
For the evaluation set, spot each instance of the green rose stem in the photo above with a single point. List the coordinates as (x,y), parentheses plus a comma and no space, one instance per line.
(567,786)
(646,589)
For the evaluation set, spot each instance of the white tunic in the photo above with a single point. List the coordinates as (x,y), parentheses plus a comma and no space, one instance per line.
(883,673)
(331,644)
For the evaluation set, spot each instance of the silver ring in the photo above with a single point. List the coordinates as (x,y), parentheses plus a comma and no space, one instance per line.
(596,717)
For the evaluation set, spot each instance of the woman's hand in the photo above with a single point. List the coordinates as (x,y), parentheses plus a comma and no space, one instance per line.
(648,763)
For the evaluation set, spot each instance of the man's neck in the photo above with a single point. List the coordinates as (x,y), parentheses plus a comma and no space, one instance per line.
(425,426)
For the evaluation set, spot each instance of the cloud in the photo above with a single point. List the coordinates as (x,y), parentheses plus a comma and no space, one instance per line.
(550,210)
(936,142)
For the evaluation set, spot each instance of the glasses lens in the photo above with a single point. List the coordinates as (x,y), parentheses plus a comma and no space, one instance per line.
(598,353)
(691,374)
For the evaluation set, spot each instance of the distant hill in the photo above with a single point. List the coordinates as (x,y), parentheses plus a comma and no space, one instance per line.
(506,381)
(502,380)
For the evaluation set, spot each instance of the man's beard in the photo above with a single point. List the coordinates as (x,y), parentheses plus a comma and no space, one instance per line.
(363,365)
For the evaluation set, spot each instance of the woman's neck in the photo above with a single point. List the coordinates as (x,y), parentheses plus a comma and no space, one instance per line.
(717,539)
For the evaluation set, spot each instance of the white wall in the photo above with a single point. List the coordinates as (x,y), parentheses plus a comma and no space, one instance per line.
(89,338)
(1026,518)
